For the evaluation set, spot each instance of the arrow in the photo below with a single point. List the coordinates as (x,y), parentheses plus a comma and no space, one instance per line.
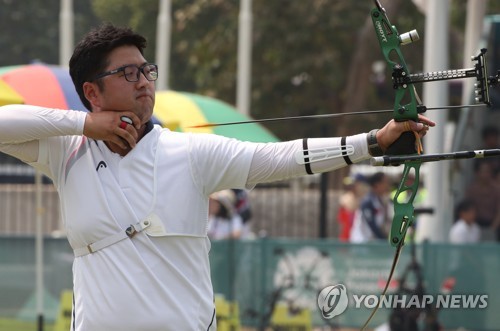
(401,159)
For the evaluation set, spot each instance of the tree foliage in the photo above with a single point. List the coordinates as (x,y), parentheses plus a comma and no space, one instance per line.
(309,57)
(30,29)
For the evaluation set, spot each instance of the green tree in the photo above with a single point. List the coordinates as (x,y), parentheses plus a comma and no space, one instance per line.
(304,54)
(309,57)
(30,30)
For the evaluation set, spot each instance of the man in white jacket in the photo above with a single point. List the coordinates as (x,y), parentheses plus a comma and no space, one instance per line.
(134,196)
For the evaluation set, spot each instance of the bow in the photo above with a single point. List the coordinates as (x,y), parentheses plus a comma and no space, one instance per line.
(403,83)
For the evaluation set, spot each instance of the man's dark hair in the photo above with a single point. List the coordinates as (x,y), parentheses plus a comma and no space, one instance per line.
(90,56)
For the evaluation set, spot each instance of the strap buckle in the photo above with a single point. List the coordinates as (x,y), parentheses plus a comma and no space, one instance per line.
(131,231)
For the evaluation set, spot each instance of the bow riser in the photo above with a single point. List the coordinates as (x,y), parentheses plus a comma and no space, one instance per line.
(390,41)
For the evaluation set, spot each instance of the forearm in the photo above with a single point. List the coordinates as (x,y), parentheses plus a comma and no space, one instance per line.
(277,161)
(22,123)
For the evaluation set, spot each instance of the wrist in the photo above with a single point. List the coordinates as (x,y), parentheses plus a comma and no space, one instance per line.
(373,147)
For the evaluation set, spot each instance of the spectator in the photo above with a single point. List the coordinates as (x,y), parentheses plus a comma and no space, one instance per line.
(465,230)
(243,208)
(354,189)
(372,217)
(223,220)
(484,193)
(465,265)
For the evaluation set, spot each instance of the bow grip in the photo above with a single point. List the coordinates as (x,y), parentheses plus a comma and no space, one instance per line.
(404,145)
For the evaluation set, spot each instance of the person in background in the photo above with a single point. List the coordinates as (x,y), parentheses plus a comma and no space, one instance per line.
(484,193)
(354,189)
(373,215)
(243,208)
(465,230)
(223,220)
(464,264)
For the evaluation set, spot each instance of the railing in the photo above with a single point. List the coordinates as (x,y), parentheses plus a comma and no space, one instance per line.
(290,209)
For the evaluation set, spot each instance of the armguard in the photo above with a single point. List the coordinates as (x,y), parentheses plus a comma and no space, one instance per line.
(316,150)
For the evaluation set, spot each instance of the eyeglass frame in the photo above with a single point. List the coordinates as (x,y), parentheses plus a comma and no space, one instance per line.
(122,69)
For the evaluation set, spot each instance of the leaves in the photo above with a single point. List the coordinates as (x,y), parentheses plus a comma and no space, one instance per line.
(303,57)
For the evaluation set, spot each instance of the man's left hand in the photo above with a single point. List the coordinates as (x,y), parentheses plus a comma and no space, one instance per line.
(392,130)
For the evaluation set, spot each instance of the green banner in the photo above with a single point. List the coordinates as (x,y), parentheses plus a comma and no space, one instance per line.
(261,275)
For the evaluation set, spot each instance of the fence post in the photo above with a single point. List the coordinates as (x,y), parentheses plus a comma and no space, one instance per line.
(323,206)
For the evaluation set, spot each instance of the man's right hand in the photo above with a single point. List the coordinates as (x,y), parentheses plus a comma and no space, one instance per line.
(105,125)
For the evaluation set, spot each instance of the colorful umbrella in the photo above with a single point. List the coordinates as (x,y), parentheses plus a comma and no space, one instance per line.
(51,86)
(181,110)
(8,95)
(42,85)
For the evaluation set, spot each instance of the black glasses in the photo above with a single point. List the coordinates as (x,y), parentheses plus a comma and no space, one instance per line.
(131,72)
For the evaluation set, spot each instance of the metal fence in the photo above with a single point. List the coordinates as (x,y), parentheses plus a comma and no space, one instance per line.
(18,209)
(290,209)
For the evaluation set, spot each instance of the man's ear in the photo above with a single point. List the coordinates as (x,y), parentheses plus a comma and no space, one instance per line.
(91,93)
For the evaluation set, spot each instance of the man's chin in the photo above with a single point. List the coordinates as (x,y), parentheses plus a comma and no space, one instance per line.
(145,115)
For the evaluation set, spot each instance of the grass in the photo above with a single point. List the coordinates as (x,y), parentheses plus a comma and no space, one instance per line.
(16,325)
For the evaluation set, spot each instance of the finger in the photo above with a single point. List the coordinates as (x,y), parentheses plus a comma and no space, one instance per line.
(126,124)
(419,126)
(125,121)
(129,135)
(117,140)
(133,119)
(407,126)
(425,120)
(123,124)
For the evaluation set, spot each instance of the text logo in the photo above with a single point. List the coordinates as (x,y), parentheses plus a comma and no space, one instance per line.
(440,301)
(332,301)
(380,30)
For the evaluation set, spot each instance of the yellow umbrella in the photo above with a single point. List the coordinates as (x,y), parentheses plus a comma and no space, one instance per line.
(180,111)
(8,95)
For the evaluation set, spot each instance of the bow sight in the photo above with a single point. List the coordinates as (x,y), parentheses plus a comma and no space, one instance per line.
(390,40)
(479,71)
(403,83)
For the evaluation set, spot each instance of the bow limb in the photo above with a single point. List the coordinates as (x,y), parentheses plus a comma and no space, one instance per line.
(391,273)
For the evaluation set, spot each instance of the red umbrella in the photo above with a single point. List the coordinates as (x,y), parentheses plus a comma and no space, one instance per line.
(42,85)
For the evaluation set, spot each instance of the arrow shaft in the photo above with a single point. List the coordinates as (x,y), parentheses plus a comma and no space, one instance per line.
(401,159)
